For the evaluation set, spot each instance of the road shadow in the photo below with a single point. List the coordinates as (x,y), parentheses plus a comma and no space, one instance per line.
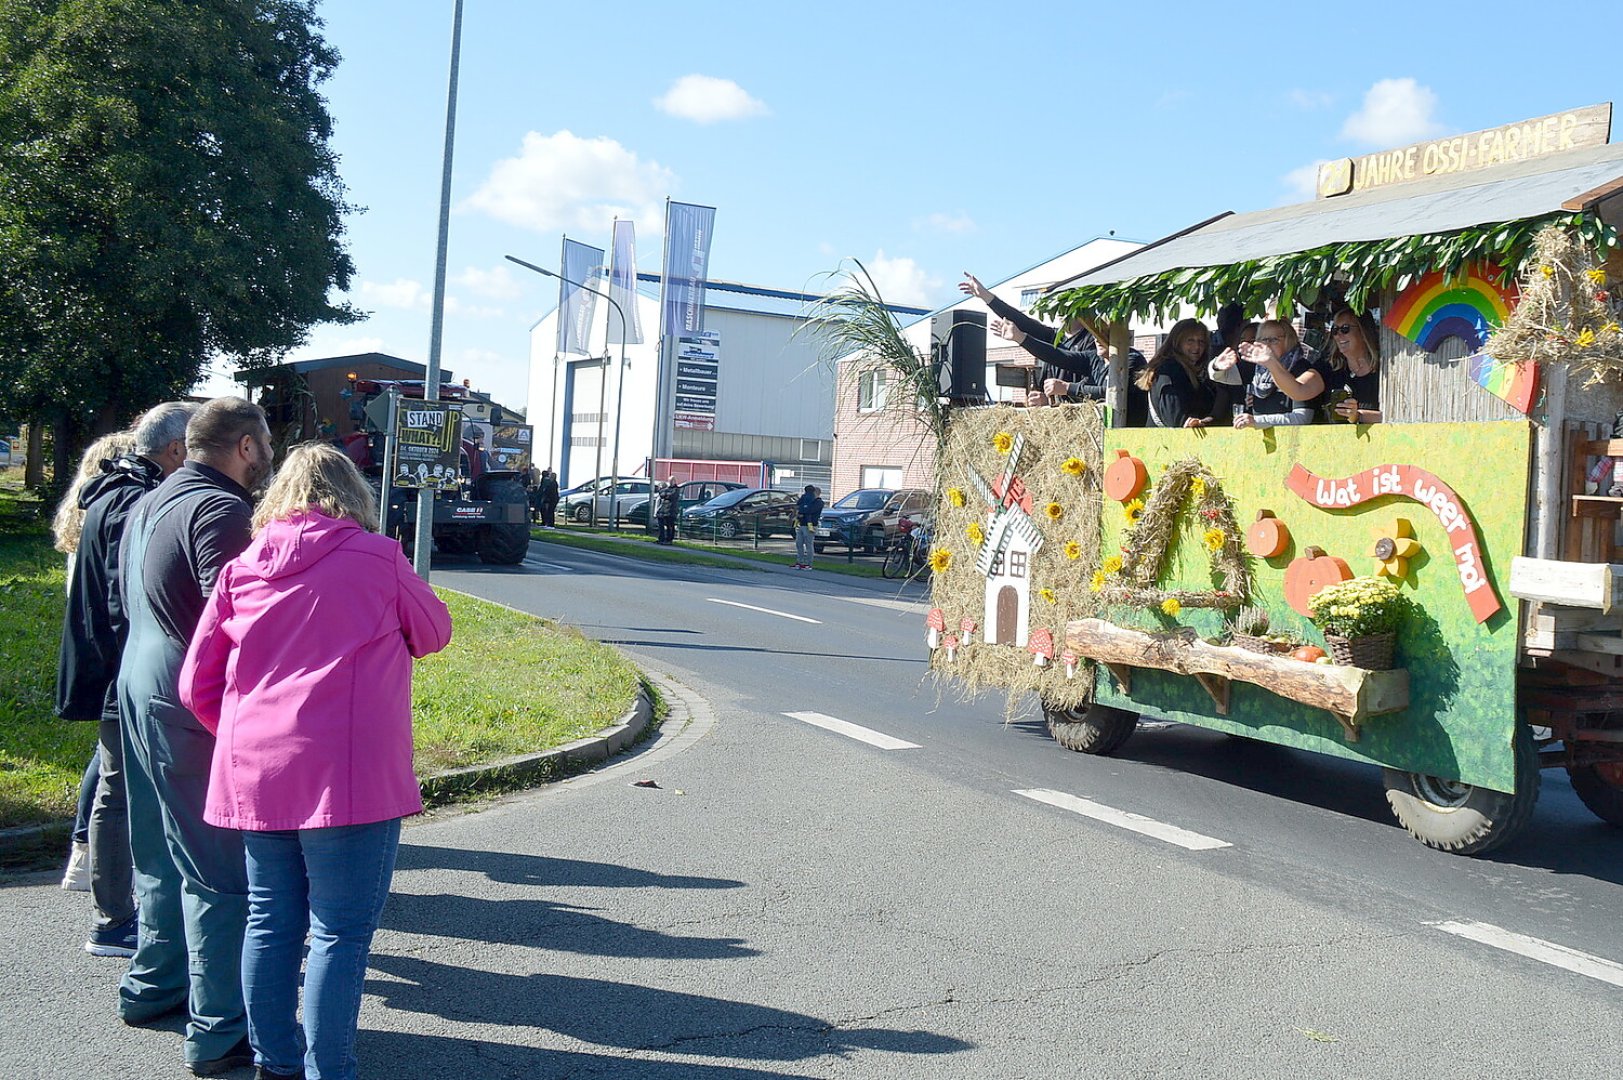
(433,1057)
(631,1017)
(519,869)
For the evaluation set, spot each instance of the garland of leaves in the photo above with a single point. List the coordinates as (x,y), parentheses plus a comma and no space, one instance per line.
(1570,311)
(1369,266)
(1145,543)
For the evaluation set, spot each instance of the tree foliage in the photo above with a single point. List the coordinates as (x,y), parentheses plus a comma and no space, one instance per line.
(167,194)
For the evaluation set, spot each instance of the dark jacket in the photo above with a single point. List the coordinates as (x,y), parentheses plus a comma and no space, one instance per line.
(808,509)
(1175,397)
(548,491)
(1272,406)
(1076,359)
(93,626)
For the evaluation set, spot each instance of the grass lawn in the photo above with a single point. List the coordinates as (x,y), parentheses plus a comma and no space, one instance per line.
(508,684)
(640,546)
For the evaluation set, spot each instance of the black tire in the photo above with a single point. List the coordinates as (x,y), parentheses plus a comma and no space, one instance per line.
(1094,729)
(895,564)
(1463,818)
(727,529)
(818,548)
(505,544)
(462,541)
(581,514)
(873,540)
(1600,787)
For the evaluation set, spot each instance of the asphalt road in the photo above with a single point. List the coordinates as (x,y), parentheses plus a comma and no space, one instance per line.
(793,901)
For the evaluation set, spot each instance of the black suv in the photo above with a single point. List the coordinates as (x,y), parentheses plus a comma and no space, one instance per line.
(867,517)
(735,513)
(691,493)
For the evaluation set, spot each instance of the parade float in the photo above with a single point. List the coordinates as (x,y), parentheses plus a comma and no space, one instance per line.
(1433,594)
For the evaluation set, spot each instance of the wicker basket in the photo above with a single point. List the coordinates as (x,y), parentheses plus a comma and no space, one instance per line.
(1258,644)
(1372,653)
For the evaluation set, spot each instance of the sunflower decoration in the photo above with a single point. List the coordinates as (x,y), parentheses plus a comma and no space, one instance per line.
(1197,488)
(1215,539)
(1053,511)
(1073,466)
(1132,510)
(1098,582)
(940,559)
(1112,565)
(1395,545)
(955,496)
(1073,549)
(976,534)
(1003,442)
(1048,594)
(1170,607)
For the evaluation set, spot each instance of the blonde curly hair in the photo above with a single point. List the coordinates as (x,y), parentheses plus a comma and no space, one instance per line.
(318,476)
(70,516)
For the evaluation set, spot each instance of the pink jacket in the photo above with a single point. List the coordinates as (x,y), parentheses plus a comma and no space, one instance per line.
(301,666)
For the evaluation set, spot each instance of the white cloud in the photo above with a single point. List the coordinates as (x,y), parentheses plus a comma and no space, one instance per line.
(704,99)
(399,293)
(1395,111)
(1310,99)
(564,182)
(1303,183)
(946,223)
(901,280)
(498,282)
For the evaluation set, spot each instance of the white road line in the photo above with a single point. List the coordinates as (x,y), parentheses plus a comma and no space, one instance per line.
(853,731)
(547,565)
(765,611)
(1138,823)
(895,605)
(1546,952)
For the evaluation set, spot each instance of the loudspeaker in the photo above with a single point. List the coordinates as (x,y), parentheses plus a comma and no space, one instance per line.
(958,351)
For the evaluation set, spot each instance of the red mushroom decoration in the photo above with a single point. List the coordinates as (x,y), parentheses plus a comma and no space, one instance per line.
(951,644)
(1125,477)
(1069,659)
(1267,536)
(937,622)
(1041,647)
(966,629)
(1315,570)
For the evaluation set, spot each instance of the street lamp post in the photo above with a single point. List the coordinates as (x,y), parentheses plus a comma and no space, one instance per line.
(619,392)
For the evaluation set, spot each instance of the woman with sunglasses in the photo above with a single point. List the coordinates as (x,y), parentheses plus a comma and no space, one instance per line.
(1286,389)
(1355,364)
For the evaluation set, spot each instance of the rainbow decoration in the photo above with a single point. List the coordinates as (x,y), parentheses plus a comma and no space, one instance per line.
(1469,306)
(1515,384)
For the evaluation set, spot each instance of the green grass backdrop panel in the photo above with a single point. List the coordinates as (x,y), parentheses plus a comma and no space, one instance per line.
(1462,673)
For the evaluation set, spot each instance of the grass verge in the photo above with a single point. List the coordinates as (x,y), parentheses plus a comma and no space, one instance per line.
(508,684)
(638,546)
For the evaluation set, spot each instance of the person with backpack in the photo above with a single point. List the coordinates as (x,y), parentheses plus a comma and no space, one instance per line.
(808,512)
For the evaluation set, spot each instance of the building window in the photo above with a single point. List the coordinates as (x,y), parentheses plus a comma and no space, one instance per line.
(881,476)
(811,450)
(1017,564)
(997,564)
(871,391)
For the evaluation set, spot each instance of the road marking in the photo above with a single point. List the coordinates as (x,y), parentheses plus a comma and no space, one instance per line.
(547,565)
(1546,952)
(1138,823)
(894,605)
(853,731)
(765,611)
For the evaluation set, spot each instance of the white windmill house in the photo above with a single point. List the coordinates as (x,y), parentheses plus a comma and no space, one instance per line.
(1005,558)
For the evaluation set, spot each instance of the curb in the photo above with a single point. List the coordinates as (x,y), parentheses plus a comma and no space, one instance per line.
(439,788)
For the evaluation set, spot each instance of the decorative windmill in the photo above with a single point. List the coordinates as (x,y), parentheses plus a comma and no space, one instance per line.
(1005,558)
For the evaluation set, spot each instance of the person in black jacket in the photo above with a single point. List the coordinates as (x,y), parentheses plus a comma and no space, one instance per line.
(808,512)
(546,494)
(93,635)
(1182,395)
(1068,365)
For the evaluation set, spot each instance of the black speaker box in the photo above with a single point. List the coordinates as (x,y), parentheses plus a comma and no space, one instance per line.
(958,350)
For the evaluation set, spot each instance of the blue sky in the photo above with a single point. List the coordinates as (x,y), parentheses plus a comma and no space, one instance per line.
(924,139)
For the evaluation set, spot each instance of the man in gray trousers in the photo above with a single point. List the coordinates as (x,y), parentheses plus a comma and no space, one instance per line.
(190,877)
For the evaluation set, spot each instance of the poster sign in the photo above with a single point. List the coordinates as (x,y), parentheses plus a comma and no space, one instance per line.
(427,442)
(510,447)
(687,265)
(698,368)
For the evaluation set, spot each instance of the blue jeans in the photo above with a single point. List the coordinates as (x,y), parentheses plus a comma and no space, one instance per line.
(331,883)
(87,797)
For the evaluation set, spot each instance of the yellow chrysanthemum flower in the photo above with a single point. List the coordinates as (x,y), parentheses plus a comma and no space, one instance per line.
(1048,594)
(1098,584)
(1054,511)
(1596,276)
(1585,338)
(1112,565)
(1170,607)
(1611,328)
(1215,539)
(1003,442)
(1074,466)
(977,535)
(1073,549)
(940,559)
(1547,271)
(1197,487)
(1133,510)
(955,496)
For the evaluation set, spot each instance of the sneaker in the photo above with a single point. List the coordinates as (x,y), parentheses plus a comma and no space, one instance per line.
(234,1058)
(115,940)
(77,876)
(262,1073)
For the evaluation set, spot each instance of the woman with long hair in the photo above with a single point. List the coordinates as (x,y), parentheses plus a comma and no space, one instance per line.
(301,666)
(1181,393)
(1354,360)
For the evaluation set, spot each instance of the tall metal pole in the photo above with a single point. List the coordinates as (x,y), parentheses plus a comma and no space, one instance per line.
(655,444)
(431,386)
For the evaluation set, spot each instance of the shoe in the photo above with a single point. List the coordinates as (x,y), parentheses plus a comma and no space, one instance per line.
(77,876)
(262,1073)
(116,940)
(234,1058)
(136,1014)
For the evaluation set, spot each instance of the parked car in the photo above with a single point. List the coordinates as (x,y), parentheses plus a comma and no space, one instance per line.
(692,493)
(629,493)
(867,517)
(734,513)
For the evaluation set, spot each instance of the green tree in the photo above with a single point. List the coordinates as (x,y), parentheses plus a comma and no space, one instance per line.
(167,194)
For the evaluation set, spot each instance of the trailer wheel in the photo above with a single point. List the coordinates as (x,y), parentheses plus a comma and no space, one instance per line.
(505,544)
(1600,787)
(1093,729)
(1464,818)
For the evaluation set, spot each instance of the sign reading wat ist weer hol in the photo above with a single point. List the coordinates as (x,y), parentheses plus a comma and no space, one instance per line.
(1571,130)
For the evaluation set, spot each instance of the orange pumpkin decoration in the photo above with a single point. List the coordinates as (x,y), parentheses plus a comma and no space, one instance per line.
(1308,654)
(1125,477)
(1267,536)
(1315,570)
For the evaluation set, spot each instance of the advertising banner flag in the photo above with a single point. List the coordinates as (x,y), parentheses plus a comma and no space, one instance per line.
(687,266)
(584,264)
(623,278)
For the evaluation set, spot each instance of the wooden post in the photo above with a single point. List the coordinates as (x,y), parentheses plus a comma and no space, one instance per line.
(1121,341)
(1549,502)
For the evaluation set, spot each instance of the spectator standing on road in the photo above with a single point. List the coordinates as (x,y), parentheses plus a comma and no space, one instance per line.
(547,494)
(668,502)
(316,775)
(190,879)
(116,471)
(808,512)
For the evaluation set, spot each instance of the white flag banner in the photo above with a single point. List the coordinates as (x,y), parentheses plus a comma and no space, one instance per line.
(623,278)
(583,264)
(687,265)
